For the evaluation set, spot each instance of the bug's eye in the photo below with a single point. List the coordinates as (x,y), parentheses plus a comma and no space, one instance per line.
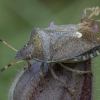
(25,45)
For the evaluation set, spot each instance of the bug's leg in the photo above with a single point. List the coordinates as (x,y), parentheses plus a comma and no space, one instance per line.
(7,45)
(55,76)
(83,16)
(75,70)
(85,13)
(41,76)
(41,69)
(95,11)
(13,63)
(97,20)
(29,64)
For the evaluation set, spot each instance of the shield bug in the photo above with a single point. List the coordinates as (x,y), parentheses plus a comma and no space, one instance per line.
(62,43)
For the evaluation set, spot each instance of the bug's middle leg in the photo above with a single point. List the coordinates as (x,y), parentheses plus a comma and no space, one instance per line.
(64,84)
(41,69)
(75,70)
(29,65)
(94,11)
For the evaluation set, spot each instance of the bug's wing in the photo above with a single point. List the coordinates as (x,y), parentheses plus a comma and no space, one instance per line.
(64,43)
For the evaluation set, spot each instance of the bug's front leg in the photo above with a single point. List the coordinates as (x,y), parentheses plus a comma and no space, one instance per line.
(83,16)
(41,69)
(74,70)
(64,84)
(85,13)
(95,11)
(29,65)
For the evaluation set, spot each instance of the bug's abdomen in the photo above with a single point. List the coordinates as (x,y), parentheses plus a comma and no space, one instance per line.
(87,55)
(69,45)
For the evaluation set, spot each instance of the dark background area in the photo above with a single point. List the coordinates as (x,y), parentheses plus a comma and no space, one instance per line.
(18,18)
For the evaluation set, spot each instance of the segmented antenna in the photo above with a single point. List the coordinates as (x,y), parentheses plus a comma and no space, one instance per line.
(7,45)
(13,63)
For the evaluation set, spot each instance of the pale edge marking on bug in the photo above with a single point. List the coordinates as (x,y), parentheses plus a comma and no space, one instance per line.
(77,35)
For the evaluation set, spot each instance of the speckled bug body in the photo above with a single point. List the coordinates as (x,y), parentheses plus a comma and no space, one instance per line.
(64,43)
(61,43)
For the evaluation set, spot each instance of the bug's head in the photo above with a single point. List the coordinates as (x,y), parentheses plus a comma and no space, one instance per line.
(25,53)
(33,49)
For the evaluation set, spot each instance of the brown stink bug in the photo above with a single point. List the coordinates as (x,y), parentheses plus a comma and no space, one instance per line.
(62,43)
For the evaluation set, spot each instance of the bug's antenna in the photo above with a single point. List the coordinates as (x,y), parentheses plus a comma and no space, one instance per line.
(7,44)
(13,63)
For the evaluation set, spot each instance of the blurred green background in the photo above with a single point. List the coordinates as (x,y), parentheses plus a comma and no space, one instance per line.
(19,17)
